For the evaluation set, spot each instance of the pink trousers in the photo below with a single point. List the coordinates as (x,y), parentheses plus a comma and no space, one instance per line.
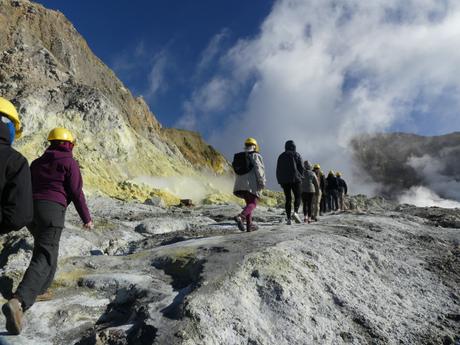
(251,204)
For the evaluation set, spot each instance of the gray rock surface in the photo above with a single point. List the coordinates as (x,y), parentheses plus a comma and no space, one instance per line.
(379,275)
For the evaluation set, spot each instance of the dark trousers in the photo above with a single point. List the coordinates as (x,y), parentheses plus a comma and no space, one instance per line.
(332,200)
(289,189)
(323,203)
(307,201)
(46,229)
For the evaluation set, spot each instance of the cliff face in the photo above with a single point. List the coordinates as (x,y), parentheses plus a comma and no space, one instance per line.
(399,161)
(50,73)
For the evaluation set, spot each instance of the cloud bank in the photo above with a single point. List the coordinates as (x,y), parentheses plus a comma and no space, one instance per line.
(321,71)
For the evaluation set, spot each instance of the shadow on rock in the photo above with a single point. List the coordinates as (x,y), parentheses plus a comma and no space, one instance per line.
(124,309)
(186,276)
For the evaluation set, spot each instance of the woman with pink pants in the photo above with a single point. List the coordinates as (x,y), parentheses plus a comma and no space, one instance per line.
(250,180)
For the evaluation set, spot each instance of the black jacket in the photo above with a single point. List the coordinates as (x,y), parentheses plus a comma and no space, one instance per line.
(331,183)
(289,168)
(322,182)
(342,185)
(16,205)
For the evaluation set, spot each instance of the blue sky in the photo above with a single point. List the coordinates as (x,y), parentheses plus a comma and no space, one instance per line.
(132,36)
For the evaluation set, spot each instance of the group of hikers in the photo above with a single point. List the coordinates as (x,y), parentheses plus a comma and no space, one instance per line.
(308,184)
(36,197)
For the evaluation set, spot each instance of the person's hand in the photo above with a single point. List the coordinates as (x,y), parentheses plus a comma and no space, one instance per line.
(89,225)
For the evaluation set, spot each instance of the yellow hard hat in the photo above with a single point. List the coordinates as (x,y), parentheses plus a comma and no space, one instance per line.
(331,172)
(316,166)
(252,141)
(338,174)
(61,134)
(8,110)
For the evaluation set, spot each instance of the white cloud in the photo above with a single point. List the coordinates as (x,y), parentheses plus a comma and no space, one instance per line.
(214,94)
(152,65)
(321,71)
(128,61)
(156,77)
(212,97)
(212,50)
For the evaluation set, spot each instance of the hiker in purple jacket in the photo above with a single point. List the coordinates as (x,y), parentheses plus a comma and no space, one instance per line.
(56,182)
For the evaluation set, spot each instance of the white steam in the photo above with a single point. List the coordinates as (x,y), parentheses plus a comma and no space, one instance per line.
(423,197)
(431,169)
(187,187)
(322,71)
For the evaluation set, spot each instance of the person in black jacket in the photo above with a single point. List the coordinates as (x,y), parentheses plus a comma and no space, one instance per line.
(289,172)
(332,190)
(342,191)
(16,207)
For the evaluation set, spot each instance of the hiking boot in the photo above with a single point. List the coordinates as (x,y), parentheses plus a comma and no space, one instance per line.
(288,222)
(13,315)
(46,296)
(296,217)
(239,222)
(252,227)
(305,220)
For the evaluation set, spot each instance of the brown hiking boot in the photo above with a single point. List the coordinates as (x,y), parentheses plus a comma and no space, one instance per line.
(239,222)
(46,296)
(13,314)
(251,227)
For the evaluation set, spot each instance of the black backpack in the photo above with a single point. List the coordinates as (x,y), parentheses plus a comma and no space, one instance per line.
(242,163)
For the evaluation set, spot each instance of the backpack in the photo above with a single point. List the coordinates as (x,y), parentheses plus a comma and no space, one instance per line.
(242,163)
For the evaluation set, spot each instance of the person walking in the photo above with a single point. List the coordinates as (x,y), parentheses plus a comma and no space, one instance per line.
(332,191)
(289,173)
(310,190)
(342,191)
(250,181)
(321,198)
(317,197)
(56,182)
(16,209)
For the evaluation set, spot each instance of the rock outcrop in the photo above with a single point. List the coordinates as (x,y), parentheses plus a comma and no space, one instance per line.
(380,274)
(50,73)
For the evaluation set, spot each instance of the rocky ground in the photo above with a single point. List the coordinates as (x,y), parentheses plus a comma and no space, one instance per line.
(380,274)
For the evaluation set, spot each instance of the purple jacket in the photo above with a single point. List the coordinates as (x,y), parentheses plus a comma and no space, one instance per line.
(56,177)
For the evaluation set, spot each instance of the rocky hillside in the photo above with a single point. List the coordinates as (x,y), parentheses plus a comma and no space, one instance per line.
(51,74)
(399,161)
(379,274)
